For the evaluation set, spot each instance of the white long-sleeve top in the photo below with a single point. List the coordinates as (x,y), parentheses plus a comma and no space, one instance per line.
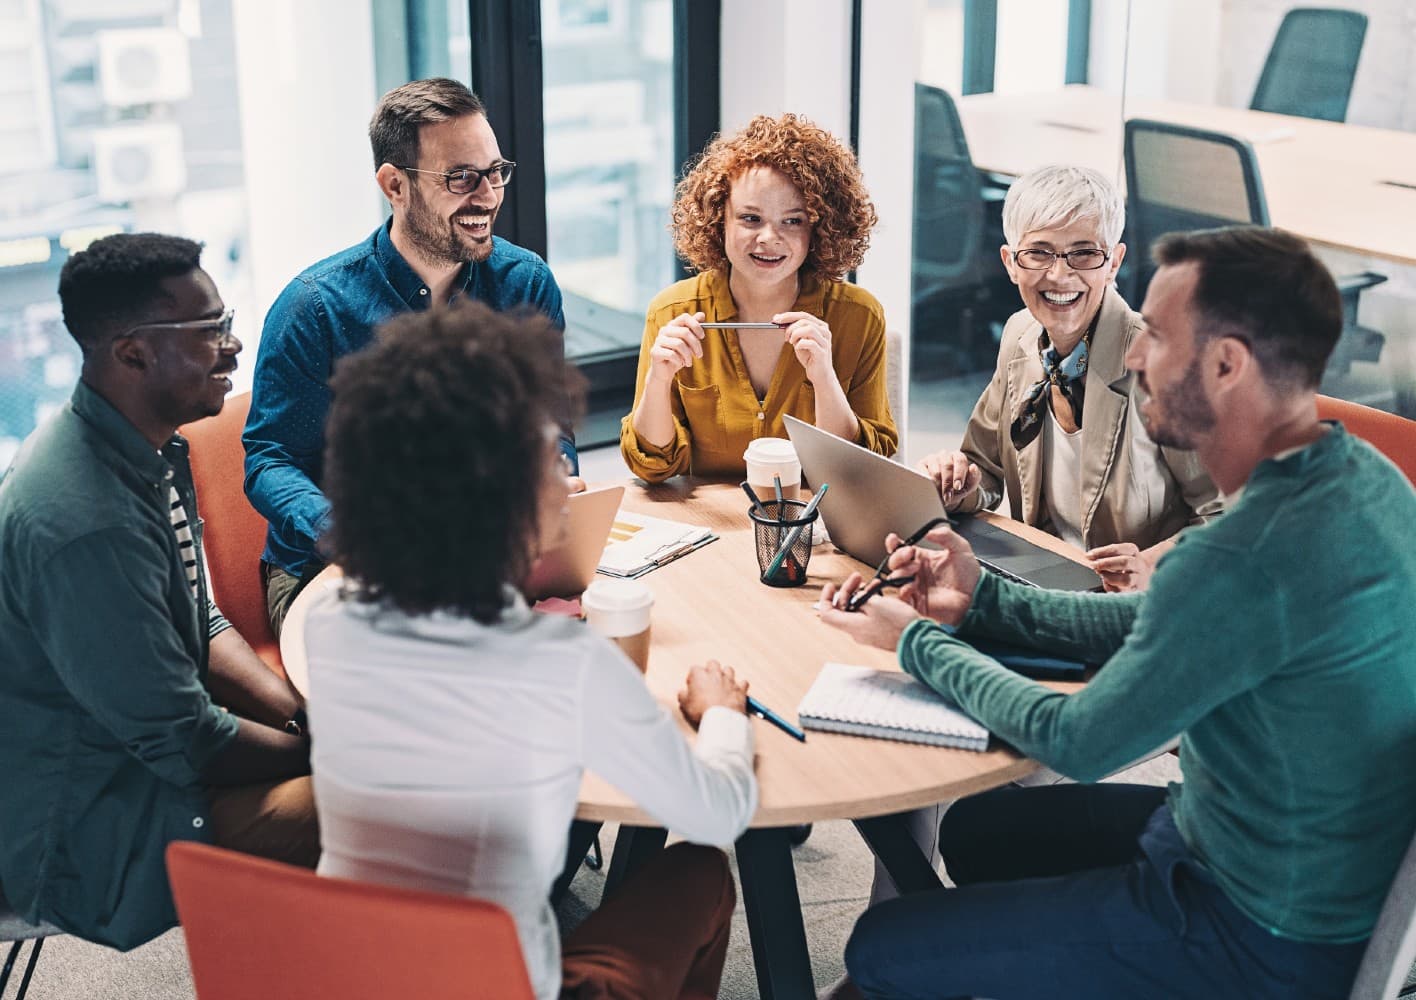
(448,754)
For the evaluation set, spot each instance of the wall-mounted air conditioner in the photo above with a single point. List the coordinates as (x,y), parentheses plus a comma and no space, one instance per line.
(143,66)
(133,162)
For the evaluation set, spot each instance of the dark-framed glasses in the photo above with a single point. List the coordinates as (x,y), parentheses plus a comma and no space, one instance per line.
(216,329)
(1084,259)
(465,180)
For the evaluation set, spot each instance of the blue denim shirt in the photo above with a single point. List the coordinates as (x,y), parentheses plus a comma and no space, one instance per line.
(328,311)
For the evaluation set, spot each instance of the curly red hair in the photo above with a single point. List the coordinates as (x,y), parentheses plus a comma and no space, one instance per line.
(821,167)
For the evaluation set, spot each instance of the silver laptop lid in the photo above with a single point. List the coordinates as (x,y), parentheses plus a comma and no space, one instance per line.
(567,570)
(871,496)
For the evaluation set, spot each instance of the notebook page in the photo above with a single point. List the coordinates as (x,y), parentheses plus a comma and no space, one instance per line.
(888,699)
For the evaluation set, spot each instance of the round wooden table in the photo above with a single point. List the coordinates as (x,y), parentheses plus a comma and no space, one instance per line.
(710,604)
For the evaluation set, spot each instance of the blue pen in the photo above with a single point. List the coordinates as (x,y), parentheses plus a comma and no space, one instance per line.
(755,707)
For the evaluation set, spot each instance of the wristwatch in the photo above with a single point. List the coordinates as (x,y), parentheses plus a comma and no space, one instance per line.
(297,723)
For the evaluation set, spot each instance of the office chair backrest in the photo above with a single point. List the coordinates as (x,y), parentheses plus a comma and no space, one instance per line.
(257,928)
(1311,64)
(949,211)
(1393,436)
(1180,179)
(1392,948)
(234,534)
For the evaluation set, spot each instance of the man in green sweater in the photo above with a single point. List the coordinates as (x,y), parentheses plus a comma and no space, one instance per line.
(1276,642)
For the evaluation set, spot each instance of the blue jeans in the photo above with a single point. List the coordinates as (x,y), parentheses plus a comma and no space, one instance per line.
(1080,891)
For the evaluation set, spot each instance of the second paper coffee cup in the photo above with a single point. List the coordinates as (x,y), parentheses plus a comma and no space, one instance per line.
(620,610)
(769,457)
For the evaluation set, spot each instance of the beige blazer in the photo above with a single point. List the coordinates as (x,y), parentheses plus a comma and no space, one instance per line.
(1133,490)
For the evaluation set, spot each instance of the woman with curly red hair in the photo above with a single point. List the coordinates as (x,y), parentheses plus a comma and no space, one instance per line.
(771,218)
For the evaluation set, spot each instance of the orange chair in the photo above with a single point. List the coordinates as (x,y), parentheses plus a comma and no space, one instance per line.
(234,536)
(1393,436)
(258,928)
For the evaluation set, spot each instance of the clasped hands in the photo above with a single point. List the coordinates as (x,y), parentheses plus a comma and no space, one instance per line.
(942,589)
(680,341)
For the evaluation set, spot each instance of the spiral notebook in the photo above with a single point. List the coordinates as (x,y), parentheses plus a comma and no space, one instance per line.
(886,704)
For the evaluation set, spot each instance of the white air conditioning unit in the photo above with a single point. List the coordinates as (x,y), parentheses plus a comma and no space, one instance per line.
(143,66)
(133,162)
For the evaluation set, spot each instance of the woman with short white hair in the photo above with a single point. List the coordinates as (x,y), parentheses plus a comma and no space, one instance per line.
(1057,428)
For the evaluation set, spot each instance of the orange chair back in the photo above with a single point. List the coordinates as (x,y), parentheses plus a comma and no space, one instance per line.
(1393,436)
(258,928)
(234,536)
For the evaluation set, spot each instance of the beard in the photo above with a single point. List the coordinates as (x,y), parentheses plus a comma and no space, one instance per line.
(1182,411)
(439,240)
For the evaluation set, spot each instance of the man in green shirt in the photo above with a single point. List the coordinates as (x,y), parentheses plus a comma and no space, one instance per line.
(1276,642)
(112,658)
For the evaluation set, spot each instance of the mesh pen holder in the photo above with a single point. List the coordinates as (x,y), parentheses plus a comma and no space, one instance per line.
(771,534)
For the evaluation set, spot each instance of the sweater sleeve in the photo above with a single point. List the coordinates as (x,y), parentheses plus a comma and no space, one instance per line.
(1197,639)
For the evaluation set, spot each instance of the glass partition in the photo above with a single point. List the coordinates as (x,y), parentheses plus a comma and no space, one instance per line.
(1314,108)
(609,147)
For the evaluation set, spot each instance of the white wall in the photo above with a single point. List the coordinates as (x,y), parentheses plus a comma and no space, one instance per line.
(306,78)
(787,55)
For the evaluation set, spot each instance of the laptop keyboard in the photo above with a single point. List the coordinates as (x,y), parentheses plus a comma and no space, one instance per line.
(994,567)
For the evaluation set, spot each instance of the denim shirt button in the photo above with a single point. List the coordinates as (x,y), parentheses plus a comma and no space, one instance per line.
(167,476)
(198,823)
(422,291)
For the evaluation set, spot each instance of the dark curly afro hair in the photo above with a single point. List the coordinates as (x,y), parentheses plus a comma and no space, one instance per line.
(434,456)
(821,167)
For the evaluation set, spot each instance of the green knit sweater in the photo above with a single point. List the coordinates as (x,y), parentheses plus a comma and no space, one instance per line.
(1280,641)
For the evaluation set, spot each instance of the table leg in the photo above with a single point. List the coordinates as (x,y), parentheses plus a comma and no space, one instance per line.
(769,895)
(889,837)
(582,834)
(634,845)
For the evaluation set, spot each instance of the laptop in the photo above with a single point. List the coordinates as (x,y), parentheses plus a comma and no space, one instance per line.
(871,496)
(566,571)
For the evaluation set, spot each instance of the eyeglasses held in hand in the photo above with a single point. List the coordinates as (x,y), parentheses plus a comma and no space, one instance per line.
(465,180)
(1084,259)
(216,329)
(881,579)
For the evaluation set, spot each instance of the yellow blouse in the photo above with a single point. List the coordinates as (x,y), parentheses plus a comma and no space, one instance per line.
(717,412)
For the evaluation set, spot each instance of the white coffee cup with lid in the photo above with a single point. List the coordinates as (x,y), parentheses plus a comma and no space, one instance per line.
(620,610)
(769,457)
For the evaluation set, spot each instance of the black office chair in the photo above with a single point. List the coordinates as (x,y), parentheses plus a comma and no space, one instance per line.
(1311,64)
(957,230)
(1180,179)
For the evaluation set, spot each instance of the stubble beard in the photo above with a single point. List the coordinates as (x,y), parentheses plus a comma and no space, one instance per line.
(436,239)
(1185,411)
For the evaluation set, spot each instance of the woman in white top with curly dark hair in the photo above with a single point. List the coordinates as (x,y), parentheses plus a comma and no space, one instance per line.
(454,724)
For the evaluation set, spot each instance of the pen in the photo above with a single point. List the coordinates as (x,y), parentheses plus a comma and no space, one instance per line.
(755,707)
(741,326)
(756,503)
(795,533)
(781,511)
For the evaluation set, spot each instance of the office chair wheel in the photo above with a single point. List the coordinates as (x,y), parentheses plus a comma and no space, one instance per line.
(797,835)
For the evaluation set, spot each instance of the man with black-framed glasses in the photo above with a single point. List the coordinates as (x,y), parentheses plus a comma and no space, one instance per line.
(438,163)
(131,713)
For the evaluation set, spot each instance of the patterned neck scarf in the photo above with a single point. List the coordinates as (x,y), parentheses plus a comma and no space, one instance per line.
(1069,374)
